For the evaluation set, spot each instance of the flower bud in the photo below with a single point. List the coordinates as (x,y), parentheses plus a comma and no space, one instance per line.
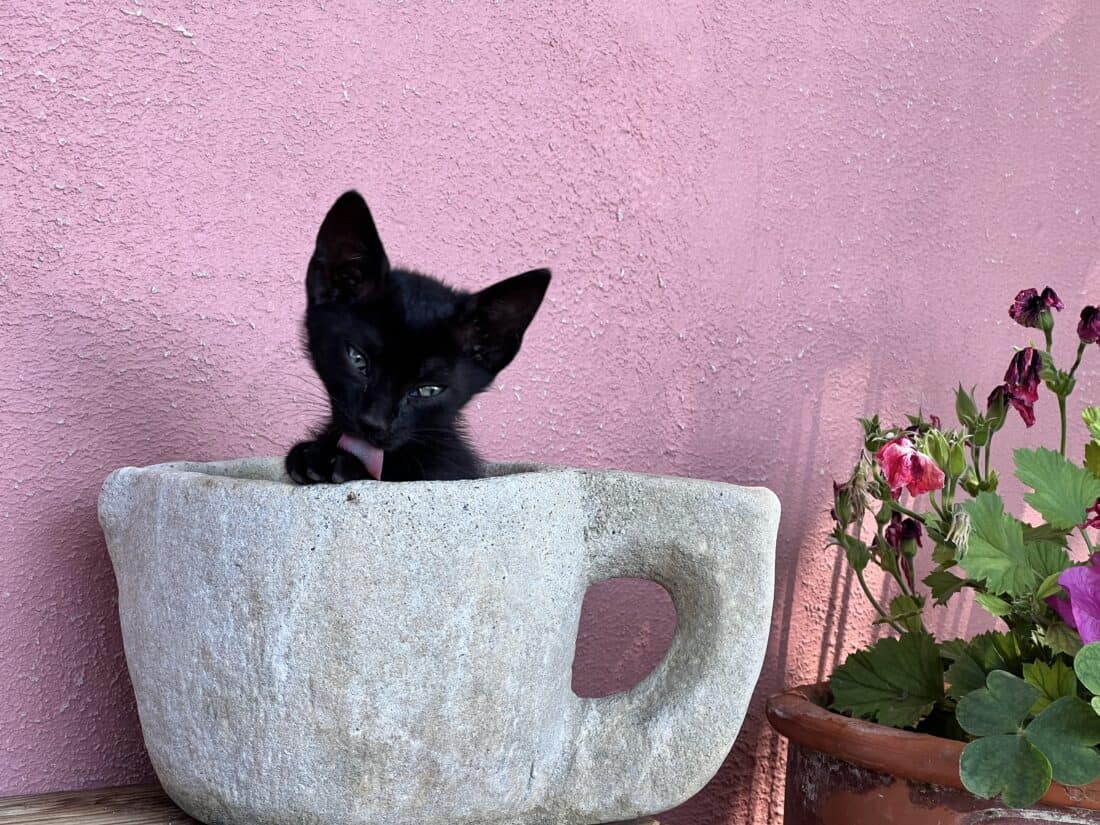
(989,483)
(969,482)
(965,408)
(956,460)
(935,445)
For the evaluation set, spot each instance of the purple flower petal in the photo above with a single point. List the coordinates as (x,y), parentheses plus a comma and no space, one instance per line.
(1061,607)
(1082,583)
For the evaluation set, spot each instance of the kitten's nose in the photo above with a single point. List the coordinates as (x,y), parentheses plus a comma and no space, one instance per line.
(374,429)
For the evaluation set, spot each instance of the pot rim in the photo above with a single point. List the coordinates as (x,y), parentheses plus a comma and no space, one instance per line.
(268,471)
(800,715)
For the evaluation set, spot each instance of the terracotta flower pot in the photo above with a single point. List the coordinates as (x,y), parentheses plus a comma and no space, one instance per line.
(843,771)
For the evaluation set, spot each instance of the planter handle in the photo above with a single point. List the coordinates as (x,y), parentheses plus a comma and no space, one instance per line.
(712,547)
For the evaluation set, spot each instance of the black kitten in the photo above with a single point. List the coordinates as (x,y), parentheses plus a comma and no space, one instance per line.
(400,354)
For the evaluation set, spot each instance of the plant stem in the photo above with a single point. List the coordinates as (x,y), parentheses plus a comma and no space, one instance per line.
(874,603)
(1048,334)
(1088,543)
(895,573)
(988,451)
(1077,362)
(905,511)
(1062,414)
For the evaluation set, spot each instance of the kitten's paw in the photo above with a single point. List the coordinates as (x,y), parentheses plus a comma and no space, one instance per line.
(310,462)
(347,467)
(321,462)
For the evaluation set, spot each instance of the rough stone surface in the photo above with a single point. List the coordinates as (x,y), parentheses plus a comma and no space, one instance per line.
(400,653)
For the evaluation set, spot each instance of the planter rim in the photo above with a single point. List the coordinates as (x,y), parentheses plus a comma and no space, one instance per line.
(799,714)
(265,472)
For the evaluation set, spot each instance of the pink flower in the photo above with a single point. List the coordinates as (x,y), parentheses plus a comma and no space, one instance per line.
(1082,611)
(1022,382)
(1028,308)
(905,466)
(1088,328)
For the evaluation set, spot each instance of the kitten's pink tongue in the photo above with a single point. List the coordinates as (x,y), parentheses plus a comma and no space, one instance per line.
(370,455)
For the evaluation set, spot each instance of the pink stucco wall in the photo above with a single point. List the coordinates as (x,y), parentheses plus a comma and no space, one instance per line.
(764,218)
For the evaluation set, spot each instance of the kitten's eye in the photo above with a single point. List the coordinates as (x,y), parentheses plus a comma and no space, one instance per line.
(357,359)
(427,391)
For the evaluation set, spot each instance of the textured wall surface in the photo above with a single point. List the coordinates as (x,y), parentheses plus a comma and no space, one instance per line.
(764,219)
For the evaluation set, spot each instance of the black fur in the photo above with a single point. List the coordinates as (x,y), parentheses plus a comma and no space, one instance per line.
(410,331)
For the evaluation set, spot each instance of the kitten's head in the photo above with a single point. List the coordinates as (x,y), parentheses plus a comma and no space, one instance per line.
(400,353)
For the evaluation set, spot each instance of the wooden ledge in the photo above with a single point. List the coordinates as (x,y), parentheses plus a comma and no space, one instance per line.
(133,805)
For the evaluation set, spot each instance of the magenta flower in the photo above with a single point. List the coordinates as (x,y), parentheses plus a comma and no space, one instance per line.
(1028,308)
(1022,382)
(1088,328)
(1082,610)
(905,466)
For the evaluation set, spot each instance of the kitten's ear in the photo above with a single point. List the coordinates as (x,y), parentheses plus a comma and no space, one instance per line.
(349,263)
(492,325)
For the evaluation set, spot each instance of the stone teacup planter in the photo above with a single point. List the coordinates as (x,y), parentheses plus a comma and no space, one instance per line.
(400,653)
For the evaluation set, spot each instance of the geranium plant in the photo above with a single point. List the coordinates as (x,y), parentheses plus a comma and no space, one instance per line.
(1025,697)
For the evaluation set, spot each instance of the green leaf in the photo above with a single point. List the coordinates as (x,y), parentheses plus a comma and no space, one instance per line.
(1047,558)
(1008,765)
(1061,638)
(1091,417)
(1092,458)
(943,585)
(995,552)
(1067,733)
(994,604)
(1044,532)
(1062,490)
(1054,682)
(906,610)
(857,552)
(1095,702)
(1049,587)
(1000,707)
(972,661)
(1087,666)
(895,682)
(944,555)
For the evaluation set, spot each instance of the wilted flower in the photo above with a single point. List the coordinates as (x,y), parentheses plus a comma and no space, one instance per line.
(849,498)
(996,406)
(1032,309)
(1088,328)
(958,531)
(901,530)
(1092,515)
(905,466)
(1022,382)
(1082,610)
